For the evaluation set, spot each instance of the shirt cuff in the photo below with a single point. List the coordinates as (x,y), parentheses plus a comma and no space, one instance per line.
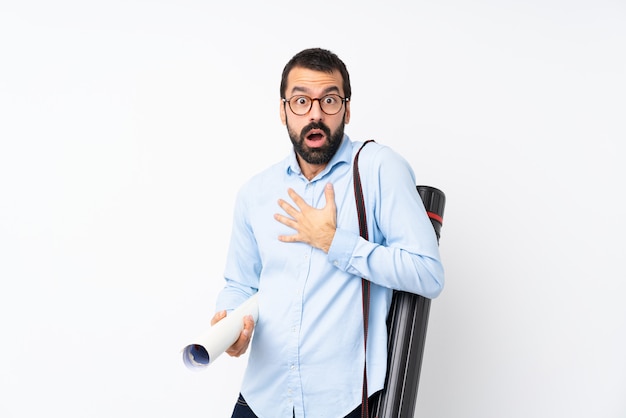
(342,248)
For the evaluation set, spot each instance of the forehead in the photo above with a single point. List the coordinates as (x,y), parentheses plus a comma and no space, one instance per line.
(304,80)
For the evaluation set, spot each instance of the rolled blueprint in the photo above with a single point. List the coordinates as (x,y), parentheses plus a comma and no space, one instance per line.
(205,349)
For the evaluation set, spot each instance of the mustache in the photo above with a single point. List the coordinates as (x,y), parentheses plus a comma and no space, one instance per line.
(315,125)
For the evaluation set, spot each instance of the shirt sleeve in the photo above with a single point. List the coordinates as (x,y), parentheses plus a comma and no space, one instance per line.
(242,278)
(403,251)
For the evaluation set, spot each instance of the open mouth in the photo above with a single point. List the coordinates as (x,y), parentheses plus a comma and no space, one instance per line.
(315,138)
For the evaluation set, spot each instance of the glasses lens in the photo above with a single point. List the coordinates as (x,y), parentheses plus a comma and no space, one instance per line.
(300,105)
(331,104)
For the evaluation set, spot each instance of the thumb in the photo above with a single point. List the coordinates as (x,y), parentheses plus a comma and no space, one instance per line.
(329,194)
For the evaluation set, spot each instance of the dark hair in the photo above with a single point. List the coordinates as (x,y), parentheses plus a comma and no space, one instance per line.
(317,59)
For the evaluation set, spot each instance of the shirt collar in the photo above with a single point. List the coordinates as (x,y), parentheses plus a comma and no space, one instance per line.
(343,155)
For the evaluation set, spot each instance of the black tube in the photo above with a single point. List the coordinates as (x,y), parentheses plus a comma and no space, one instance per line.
(407,323)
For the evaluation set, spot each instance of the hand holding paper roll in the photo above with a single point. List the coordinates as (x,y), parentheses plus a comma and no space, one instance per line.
(222,335)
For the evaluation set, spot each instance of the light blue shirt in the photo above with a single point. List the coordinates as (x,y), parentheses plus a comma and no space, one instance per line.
(307,354)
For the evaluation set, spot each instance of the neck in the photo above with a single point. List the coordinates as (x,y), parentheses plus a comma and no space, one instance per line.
(310,170)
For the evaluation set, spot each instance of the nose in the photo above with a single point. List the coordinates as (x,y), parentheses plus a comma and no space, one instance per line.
(316,112)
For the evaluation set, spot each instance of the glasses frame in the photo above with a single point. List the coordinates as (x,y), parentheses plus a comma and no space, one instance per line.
(318,99)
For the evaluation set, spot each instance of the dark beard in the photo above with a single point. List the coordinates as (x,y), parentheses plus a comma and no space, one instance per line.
(320,155)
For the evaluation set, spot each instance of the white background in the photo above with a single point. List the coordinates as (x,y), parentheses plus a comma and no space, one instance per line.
(126,127)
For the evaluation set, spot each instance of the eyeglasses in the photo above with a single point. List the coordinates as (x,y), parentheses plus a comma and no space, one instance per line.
(330,104)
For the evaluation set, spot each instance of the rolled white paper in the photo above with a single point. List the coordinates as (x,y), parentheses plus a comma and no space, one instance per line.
(205,349)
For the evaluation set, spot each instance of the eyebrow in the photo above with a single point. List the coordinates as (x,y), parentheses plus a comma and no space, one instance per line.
(327,90)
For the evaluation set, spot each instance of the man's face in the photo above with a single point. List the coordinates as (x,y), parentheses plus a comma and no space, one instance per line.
(316,136)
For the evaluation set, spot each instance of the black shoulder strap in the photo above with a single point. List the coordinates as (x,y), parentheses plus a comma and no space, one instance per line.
(365,284)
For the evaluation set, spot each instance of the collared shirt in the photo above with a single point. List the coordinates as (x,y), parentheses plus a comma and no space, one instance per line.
(306,355)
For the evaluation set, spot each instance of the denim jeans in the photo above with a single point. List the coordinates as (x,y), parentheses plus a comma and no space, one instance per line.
(242,410)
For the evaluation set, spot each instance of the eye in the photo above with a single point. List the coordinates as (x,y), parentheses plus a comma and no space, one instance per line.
(301,100)
(331,99)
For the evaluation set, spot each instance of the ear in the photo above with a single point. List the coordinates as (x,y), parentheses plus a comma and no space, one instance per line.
(283,116)
(346,116)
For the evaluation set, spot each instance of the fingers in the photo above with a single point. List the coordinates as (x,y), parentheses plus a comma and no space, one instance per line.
(293,215)
(218,317)
(290,210)
(329,194)
(241,345)
(248,326)
(285,220)
(296,198)
(313,226)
